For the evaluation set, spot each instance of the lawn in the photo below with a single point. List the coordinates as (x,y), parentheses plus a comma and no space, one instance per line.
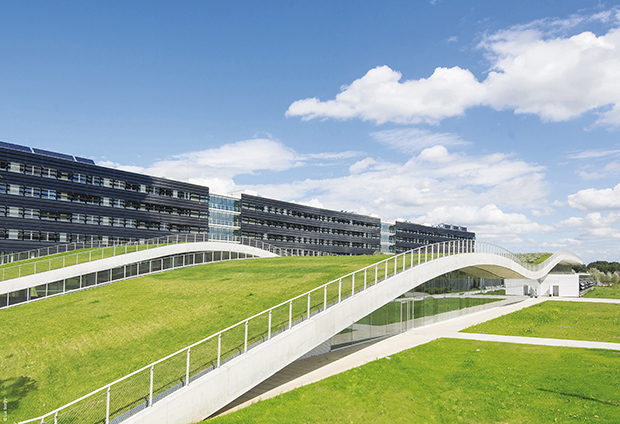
(609,292)
(55,350)
(559,320)
(457,381)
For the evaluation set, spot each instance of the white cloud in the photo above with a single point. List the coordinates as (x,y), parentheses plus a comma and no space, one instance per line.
(489,221)
(217,167)
(594,226)
(594,153)
(534,69)
(412,188)
(555,78)
(380,96)
(413,140)
(361,165)
(593,199)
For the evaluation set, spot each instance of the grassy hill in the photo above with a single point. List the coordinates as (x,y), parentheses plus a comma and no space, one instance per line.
(55,350)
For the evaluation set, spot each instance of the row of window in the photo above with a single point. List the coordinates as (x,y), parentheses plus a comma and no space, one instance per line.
(79,218)
(224,203)
(88,199)
(309,240)
(41,171)
(58,237)
(223,218)
(306,215)
(429,233)
(309,228)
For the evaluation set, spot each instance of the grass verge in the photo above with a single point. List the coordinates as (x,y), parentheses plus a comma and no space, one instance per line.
(558,320)
(450,381)
(58,349)
(609,292)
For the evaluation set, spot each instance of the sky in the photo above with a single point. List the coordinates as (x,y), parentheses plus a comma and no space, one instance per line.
(500,116)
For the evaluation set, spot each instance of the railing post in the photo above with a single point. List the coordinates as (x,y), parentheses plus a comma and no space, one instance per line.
(187,368)
(365,278)
(290,314)
(395,264)
(308,305)
(425,254)
(353,284)
(245,338)
(219,347)
(269,329)
(56,417)
(339,290)
(151,387)
(107,406)
(325,297)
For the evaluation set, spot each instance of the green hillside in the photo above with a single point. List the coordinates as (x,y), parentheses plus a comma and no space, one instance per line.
(55,350)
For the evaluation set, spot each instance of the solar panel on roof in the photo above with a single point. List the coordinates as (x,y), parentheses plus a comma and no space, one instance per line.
(15,147)
(84,160)
(53,154)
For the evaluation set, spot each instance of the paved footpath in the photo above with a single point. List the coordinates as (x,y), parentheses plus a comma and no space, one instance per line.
(316,368)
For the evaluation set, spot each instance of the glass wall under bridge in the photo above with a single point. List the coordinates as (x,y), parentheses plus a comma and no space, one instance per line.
(448,296)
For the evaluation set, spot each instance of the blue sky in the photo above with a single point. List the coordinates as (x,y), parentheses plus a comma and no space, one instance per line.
(501,116)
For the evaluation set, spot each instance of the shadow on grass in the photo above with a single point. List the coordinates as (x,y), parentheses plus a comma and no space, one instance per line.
(606,402)
(15,389)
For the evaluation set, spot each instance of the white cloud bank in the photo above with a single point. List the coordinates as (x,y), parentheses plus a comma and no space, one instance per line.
(455,187)
(532,71)
(217,167)
(593,199)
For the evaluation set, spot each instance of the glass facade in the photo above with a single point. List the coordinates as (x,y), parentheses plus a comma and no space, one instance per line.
(224,218)
(388,237)
(445,297)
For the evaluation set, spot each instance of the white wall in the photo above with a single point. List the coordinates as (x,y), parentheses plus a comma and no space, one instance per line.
(568,285)
(514,286)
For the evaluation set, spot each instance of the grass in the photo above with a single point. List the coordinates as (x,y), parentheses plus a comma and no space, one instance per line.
(457,381)
(609,292)
(559,320)
(498,292)
(542,259)
(55,350)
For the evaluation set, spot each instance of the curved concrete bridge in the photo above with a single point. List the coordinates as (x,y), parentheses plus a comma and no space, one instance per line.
(198,396)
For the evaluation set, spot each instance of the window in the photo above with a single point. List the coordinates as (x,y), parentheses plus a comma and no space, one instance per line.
(48,194)
(32,192)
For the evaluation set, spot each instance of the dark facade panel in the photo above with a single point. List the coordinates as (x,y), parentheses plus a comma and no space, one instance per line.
(47,199)
(291,225)
(410,236)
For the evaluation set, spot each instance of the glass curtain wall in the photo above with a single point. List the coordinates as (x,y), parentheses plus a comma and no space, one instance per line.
(448,296)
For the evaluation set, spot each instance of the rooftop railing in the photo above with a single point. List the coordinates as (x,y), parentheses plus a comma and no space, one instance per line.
(96,253)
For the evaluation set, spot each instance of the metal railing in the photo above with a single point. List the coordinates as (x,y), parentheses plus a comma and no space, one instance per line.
(141,389)
(97,253)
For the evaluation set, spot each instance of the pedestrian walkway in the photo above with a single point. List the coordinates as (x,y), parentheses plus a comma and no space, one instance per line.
(316,368)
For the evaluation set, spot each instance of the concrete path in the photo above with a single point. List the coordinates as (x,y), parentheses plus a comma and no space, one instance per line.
(316,368)
(536,341)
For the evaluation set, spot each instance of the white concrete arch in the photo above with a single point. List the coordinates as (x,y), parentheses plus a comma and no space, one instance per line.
(222,385)
(67,272)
